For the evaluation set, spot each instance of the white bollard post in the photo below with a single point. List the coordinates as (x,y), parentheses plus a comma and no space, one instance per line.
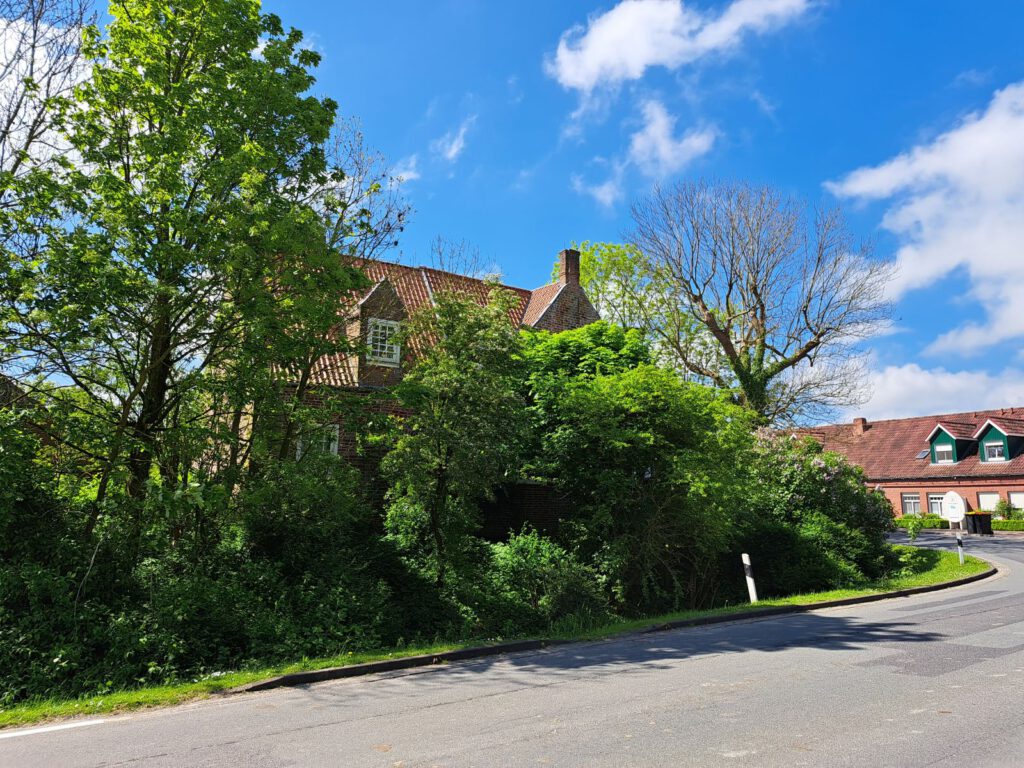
(960,546)
(749,573)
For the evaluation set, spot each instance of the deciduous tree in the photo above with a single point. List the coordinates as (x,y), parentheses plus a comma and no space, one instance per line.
(746,289)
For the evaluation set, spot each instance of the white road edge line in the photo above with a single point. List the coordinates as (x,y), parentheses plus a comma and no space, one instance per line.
(48,728)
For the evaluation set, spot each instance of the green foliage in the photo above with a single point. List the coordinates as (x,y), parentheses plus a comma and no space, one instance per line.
(465,428)
(914,526)
(543,586)
(1007,511)
(926,521)
(812,508)
(1008,525)
(652,465)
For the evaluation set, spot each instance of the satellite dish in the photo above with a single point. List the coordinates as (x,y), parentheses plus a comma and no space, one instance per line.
(953,507)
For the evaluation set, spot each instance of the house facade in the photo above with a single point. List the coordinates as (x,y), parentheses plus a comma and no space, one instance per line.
(398,291)
(916,461)
(373,320)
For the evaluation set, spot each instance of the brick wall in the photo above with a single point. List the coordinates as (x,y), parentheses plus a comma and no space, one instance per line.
(570,309)
(968,488)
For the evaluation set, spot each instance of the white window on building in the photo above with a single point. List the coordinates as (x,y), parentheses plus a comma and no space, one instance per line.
(935,503)
(911,503)
(943,454)
(382,346)
(320,440)
(1016,499)
(995,451)
(987,501)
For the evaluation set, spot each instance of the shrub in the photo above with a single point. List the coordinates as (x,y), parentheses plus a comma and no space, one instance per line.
(838,524)
(1008,525)
(547,583)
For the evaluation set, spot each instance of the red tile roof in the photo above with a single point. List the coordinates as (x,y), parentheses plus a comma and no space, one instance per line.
(887,450)
(416,288)
(1008,426)
(540,300)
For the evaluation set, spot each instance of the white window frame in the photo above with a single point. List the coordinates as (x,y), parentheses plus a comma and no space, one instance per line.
(908,501)
(1016,499)
(935,498)
(943,448)
(387,352)
(990,501)
(328,431)
(993,444)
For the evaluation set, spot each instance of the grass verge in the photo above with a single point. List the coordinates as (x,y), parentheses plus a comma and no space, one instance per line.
(919,572)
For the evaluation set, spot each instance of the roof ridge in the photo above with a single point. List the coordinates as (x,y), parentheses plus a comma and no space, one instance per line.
(951,418)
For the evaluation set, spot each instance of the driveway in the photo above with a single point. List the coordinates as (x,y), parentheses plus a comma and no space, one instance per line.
(929,680)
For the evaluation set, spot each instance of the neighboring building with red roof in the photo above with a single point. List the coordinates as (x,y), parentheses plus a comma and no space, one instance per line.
(915,461)
(398,291)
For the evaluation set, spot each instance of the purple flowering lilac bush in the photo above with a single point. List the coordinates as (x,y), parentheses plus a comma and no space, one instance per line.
(811,522)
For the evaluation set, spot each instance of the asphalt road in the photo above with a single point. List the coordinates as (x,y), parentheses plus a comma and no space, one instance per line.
(930,680)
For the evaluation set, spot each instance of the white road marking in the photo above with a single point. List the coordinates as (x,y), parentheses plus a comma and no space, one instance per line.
(48,728)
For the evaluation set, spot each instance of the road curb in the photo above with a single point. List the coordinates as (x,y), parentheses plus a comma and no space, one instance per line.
(780,610)
(390,665)
(478,652)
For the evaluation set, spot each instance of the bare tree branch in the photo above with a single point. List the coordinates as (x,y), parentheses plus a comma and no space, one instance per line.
(784,296)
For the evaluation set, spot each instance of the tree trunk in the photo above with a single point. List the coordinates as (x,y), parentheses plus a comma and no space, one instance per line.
(436,510)
(153,400)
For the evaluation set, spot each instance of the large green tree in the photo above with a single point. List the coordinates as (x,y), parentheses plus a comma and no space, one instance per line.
(178,244)
(465,428)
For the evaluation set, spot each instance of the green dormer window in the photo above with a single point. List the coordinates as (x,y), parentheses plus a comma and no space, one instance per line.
(995,451)
(943,454)
(998,440)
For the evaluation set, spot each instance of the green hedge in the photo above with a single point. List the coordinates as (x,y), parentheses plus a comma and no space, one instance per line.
(1008,525)
(932,521)
(928,521)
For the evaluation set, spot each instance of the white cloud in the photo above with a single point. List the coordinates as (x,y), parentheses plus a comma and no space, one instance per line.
(607,193)
(450,145)
(621,44)
(957,202)
(910,390)
(407,169)
(654,149)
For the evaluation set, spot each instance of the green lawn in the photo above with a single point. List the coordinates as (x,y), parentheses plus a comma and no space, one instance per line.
(927,569)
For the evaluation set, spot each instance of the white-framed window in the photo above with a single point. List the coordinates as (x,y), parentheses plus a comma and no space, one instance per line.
(382,346)
(995,451)
(1016,499)
(320,440)
(911,503)
(987,501)
(943,454)
(935,503)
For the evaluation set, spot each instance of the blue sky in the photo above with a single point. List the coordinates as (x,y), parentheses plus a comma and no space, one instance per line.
(523,127)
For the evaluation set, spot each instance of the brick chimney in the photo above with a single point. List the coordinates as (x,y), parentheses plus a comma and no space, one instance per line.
(860,425)
(569,267)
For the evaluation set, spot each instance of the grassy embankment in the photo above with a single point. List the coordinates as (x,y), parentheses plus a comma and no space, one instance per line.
(925,571)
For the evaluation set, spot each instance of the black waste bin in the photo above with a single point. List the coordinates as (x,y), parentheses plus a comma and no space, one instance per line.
(983,522)
(972,524)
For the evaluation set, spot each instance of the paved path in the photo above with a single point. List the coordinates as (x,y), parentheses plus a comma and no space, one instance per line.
(930,680)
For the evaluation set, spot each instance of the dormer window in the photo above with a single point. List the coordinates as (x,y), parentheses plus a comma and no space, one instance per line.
(943,454)
(382,347)
(995,451)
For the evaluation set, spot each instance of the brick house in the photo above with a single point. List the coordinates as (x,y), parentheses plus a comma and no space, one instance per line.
(915,461)
(398,291)
(374,318)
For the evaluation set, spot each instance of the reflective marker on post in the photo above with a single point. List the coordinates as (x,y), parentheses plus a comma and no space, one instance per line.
(960,546)
(749,572)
